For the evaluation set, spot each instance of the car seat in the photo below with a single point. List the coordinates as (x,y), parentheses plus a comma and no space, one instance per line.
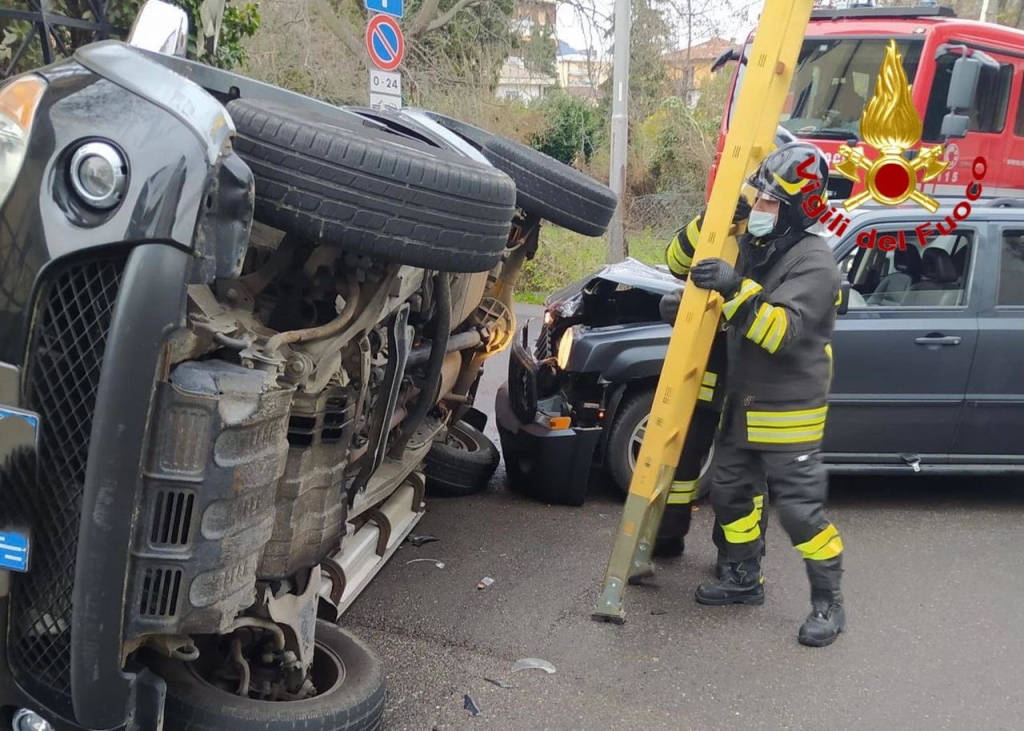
(894,286)
(960,261)
(940,283)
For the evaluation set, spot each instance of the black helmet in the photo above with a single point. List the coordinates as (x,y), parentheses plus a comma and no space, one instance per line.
(784,174)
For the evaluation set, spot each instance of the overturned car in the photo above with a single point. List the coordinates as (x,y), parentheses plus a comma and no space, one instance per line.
(235,322)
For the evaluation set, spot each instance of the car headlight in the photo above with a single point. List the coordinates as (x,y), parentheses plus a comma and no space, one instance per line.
(564,348)
(18,102)
(571,306)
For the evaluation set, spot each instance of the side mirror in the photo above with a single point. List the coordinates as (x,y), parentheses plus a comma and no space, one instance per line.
(954,125)
(731,55)
(963,83)
(844,297)
(160,27)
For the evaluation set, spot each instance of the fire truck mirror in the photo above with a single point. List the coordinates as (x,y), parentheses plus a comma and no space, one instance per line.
(963,83)
(954,125)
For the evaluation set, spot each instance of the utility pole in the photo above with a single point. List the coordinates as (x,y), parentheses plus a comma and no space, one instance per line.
(620,129)
(984,10)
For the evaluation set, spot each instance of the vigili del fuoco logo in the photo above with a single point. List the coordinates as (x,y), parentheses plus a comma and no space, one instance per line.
(892,126)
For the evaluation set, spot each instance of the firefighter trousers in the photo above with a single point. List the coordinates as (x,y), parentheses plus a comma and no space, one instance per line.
(675,522)
(797,487)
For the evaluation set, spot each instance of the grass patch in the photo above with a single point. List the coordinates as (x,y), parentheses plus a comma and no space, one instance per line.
(564,257)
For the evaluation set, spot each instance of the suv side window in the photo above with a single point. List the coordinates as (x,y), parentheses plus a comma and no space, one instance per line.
(935,276)
(1011,269)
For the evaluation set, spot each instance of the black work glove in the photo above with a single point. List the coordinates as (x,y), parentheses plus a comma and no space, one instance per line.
(716,274)
(742,210)
(668,306)
(742,214)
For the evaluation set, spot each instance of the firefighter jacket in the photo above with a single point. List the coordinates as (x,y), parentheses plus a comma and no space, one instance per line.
(780,325)
(779,330)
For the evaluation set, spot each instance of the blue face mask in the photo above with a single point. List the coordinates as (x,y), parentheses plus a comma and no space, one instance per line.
(760,223)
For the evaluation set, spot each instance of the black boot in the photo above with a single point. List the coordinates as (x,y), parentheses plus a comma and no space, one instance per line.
(671,538)
(741,584)
(828,617)
(669,547)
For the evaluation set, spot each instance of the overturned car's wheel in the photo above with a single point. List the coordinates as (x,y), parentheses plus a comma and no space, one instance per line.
(544,186)
(627,434)
(461,464)
(340,180)
(348,677)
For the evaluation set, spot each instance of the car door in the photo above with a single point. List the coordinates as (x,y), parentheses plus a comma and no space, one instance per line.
(903,351)
(993,415)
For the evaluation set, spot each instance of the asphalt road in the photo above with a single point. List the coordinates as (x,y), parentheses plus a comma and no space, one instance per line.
(933,587)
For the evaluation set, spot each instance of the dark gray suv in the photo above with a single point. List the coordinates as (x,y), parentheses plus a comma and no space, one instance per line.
(927,352)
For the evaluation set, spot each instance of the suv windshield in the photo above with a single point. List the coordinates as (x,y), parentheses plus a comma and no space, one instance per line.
(834,79)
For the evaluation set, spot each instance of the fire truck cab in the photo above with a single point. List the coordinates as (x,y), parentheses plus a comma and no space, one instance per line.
(966,79)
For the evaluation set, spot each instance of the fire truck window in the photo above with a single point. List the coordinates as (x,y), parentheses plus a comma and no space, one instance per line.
(1011,270)
(936,108)
(988,114)
(833,82)
(1018,124)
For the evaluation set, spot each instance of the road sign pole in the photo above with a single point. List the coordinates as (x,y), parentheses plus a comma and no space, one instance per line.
(620,130)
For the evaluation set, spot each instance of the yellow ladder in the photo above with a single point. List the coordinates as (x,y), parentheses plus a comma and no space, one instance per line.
(773,57)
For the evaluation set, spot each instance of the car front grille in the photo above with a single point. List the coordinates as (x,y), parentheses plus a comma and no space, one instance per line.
(544,348)
(73,315)
(522,384)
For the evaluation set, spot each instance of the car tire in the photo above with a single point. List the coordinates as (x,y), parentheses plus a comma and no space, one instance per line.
(344,182)
(354,704)
(544,186)
(629,419)
(462,464)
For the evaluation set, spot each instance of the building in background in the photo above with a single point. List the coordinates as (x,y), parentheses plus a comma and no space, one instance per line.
(518,79)
(581,73)
(689,70)
(532,13)
(518,82)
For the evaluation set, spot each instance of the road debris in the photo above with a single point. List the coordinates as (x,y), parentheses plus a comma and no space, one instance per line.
(470,705)
(419,540)
(533,663)
(439,564)
(499,683)
(657,612)
(485,582)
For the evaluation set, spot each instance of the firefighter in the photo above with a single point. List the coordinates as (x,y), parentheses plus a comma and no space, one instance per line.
(675,523)
(779,310)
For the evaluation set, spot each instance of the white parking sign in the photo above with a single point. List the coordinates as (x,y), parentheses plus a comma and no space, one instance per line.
(385,82)
(385,89)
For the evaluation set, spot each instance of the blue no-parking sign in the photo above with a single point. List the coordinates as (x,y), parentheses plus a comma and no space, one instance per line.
(390,7)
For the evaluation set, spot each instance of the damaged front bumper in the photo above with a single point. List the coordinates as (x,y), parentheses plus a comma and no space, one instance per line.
(546,456)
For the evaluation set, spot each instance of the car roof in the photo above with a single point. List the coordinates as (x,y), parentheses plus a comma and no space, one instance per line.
(988,208)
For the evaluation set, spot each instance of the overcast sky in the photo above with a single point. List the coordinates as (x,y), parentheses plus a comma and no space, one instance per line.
(734,22)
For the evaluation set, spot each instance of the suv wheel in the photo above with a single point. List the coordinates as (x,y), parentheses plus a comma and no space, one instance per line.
(340,180)
(626,436)
(461,464)
(350,692)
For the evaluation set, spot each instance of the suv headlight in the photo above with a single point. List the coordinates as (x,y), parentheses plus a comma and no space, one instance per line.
(18,102)
(565,348)
(571,306)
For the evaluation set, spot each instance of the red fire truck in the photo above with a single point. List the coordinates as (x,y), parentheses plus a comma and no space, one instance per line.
(967,80)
